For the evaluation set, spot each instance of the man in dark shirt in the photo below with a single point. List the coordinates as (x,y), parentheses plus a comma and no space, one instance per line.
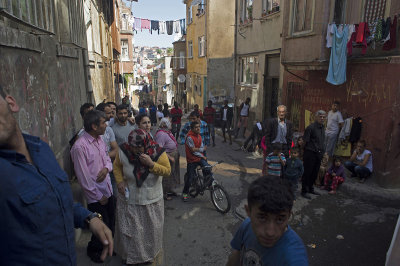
(36,200)
(226,120)
(314,137)
(209,117)
(279,130)
(176,115)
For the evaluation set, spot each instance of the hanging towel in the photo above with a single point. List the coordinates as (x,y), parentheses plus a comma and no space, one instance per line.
(352,29)
(138,24)
(183,26)
(170,27)
(361,32)
(146,24)
(177,27)
(338,59)
(163,27)
(155,25)
(391,44)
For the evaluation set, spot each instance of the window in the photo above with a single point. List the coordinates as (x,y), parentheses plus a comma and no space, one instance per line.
(303,16)
(182,59)
(202,46)
(200,8)
(246,10)
(190,49)
(270,6)
(190,15)
(374,10)
(248,70)
(38,13)
(125,50)
(339,11)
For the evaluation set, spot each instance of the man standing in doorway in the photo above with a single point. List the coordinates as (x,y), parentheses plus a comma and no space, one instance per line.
(176,115)
(279,130)
(92,166)
(314,137)
(333,125)
(122,127)
(209,117)
(244,110)
(226,120)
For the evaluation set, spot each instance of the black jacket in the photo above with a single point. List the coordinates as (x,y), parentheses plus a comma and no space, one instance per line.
(229,114)
(271,131)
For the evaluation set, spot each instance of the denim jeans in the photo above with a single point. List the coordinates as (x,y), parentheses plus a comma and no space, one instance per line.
(360,171)
(191,173)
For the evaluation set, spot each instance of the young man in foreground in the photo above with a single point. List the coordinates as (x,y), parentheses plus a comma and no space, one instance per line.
(265,238)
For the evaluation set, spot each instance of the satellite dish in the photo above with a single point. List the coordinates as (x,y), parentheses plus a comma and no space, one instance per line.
(181,78)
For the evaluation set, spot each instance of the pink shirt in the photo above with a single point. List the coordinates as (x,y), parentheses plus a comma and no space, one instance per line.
(165,140)
(89,157)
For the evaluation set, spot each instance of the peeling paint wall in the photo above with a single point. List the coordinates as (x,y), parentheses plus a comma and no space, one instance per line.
(49,87)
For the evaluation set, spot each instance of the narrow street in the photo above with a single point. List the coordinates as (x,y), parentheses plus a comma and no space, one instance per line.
(196,234)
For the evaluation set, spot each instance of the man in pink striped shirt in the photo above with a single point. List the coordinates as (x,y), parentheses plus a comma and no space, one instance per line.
(92,166)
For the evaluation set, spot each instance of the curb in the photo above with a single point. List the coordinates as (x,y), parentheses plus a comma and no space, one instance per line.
(371,192)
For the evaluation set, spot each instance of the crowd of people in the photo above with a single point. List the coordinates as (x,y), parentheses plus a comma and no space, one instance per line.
(309,158)
(126,172)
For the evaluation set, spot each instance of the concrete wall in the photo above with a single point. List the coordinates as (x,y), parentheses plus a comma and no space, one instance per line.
(220,50)
(371,92)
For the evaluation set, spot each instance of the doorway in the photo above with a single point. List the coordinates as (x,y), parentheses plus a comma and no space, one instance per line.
(271,85)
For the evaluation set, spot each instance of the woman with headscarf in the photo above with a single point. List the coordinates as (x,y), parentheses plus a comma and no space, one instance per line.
(138,169)
(166,139)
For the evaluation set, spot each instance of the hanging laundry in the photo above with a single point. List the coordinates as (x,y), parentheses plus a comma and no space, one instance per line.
(170,27)
(356,128)
(352,29)
(163,27)
(155,25)
(378,30)
(138,24)
(146,24)
(131,22)
(183,26)
(177,27)
(361,33)
(391,44)
(329,35)
(338,59)
(386,28)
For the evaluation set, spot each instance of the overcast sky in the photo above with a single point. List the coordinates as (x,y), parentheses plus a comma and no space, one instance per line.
(156,10)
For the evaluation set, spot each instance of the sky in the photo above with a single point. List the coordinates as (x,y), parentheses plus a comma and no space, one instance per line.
(156,10)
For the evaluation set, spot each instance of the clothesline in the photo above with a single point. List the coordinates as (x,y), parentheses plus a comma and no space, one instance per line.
(162,27)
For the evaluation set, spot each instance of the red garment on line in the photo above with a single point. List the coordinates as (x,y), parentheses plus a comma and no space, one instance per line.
(359,36)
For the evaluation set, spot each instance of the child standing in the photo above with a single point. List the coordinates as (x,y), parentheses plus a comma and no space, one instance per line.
(335,174)
(294,169)
(275,160)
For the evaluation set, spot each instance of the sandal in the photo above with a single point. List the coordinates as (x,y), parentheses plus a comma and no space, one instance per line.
(167,198)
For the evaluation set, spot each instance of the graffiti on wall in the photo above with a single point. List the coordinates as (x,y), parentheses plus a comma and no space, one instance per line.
(364,92)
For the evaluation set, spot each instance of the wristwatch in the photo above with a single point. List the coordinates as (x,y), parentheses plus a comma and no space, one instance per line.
(93,215)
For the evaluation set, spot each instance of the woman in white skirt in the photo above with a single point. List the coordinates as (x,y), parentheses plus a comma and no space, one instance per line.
(139,167)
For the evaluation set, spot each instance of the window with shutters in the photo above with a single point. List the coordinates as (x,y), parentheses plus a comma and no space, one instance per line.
(303,16)
(36,13)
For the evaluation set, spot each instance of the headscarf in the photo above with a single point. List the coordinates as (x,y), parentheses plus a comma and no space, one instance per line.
(165,126)
(140,138)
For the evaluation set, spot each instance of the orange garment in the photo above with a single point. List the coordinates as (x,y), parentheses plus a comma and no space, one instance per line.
(190,157)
